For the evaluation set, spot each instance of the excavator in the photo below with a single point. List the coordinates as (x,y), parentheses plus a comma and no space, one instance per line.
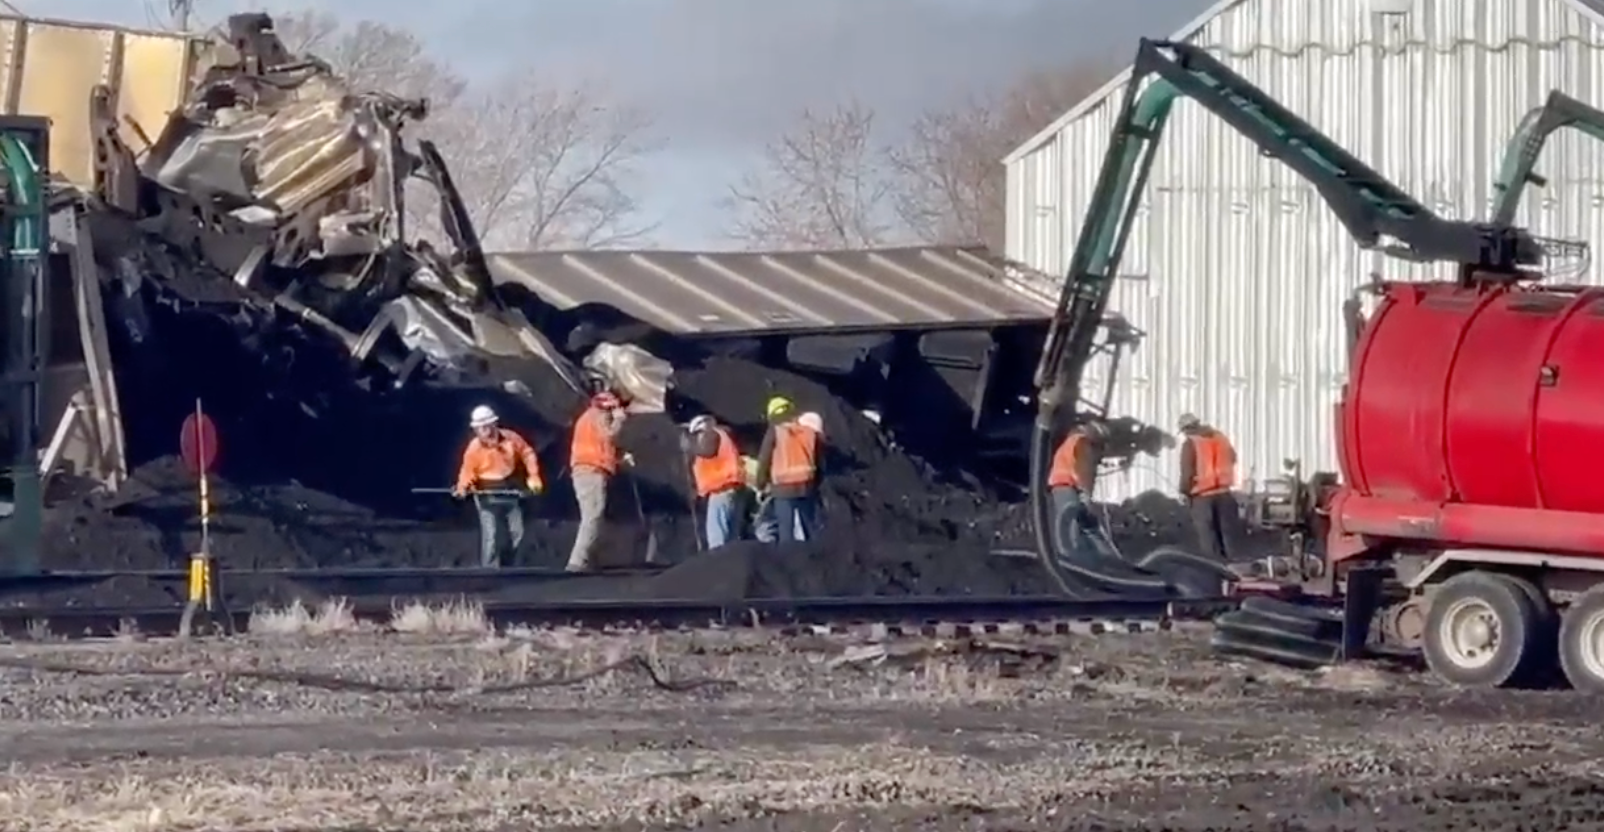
(24,260)
(1495,260)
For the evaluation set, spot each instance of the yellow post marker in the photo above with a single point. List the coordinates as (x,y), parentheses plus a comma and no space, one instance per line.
(198,443)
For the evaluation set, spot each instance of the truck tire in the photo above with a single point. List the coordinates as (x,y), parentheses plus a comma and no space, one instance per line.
(1581,642)
(1483,630)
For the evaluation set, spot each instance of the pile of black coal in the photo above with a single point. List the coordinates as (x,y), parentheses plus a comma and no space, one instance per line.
(319,470)
(316,470)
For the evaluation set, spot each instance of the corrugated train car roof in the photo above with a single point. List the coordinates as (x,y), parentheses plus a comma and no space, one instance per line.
(726,294)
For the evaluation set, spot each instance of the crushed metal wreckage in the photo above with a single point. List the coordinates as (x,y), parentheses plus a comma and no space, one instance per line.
(227,175)
(273,190)
(279,176)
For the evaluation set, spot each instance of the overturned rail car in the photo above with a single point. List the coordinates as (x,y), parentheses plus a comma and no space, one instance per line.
(937,341)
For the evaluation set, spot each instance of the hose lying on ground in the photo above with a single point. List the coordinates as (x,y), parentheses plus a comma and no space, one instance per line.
(330,682)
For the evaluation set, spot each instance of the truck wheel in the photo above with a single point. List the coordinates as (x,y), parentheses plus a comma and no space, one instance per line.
(1482,630)
(1581,642)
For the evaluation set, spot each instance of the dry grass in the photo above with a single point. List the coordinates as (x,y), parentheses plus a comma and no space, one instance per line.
(453,618)
(330,617)
(336,616)
(480,790)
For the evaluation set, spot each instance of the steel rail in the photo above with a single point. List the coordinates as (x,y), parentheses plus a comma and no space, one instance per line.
(889,613)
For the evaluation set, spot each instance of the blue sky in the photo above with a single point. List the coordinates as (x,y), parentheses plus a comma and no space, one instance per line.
(723,76)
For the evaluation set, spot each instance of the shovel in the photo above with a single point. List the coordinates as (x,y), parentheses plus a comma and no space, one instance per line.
(690,503)
(640,514)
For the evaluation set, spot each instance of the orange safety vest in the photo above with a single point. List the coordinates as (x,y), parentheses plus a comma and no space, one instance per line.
(592,447)
(1062,473)
(720,473)
(1216,464)
(796,455)
(488,463)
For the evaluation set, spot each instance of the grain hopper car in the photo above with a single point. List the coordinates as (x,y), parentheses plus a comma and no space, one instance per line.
(1467,518)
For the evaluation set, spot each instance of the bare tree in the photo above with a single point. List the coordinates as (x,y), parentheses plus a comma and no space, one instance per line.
(538,166)
(949,182)
(372,56)
(545,167)
(823,184)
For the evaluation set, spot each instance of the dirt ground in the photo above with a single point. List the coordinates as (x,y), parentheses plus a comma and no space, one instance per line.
(531,730)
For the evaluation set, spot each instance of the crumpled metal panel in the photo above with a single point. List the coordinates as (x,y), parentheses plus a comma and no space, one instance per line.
(645,377)
(49,68)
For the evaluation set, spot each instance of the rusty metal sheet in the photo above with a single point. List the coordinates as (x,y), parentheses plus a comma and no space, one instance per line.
(709,294)
(49,67)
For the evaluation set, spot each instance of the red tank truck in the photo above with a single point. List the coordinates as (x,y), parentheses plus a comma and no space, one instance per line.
(1467,511)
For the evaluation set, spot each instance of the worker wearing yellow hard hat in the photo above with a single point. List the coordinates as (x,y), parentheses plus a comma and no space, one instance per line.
(788,469)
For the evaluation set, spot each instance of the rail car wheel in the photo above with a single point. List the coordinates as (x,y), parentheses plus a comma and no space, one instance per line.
(1581,642)
(1483,630)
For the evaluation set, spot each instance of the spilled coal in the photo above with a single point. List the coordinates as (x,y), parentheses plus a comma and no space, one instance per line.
(318,470)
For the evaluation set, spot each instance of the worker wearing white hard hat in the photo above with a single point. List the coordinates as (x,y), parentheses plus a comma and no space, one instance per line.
(716,471)
(499,468)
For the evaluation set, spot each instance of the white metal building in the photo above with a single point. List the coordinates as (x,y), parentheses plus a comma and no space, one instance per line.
(1236,269)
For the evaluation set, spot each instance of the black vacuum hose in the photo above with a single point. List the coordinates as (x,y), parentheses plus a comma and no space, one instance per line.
(1073,579)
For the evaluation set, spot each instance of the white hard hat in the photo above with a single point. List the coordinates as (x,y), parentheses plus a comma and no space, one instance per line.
(812,421)
(482,417)
(700,423)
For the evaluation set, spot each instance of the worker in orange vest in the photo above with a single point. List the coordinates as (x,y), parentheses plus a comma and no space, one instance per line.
(496,464)
(716,471)
(1070,481)
(593,459)
(1208,473)
(788,467)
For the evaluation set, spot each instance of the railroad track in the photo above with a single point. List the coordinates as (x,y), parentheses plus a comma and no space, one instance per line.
(871,616)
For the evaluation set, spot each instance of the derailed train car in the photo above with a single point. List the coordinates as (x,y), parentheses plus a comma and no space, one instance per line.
(223,208)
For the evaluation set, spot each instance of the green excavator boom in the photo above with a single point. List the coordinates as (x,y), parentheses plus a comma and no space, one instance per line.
(24,264)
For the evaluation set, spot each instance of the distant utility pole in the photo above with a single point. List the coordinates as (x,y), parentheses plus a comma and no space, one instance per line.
(180,10)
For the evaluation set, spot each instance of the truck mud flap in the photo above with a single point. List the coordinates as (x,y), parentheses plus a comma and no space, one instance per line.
(1251,634)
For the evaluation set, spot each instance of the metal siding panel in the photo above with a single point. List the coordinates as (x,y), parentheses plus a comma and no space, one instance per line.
(726,293)
(51,67)
(1247,266)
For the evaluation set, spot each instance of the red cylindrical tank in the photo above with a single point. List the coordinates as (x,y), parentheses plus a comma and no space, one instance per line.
(1475,417)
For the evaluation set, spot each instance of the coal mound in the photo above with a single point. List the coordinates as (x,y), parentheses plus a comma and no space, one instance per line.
(318,465)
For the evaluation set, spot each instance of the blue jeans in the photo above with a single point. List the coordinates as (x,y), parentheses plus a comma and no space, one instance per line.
(767,528)
(795,518)
(720,521)
(1076,532)
(501,529)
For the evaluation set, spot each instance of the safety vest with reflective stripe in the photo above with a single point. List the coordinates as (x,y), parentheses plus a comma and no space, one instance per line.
(1062,473)
(592,446)
(1216,464)
(796,450)
(722,471)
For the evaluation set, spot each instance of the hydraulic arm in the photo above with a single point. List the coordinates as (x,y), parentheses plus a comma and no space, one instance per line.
(23,235)
(1377,213)
(1520,155)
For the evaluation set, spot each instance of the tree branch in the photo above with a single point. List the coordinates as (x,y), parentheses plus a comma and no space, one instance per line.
(822,184)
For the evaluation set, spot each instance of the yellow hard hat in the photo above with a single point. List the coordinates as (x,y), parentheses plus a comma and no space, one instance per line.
(777,404)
